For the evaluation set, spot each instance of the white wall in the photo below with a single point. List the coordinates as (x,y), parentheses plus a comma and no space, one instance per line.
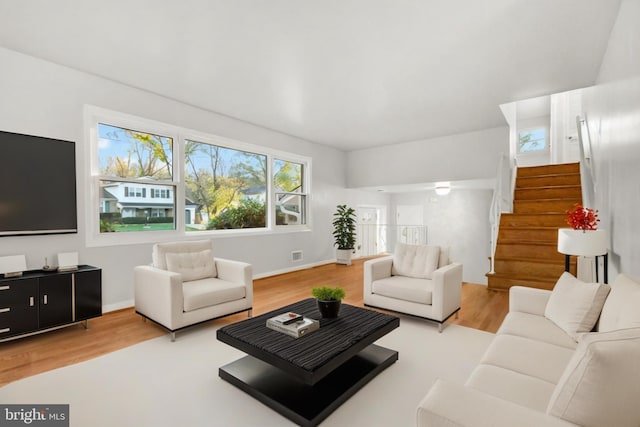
(612,108)
(42,98)
(459,220)
(466,156)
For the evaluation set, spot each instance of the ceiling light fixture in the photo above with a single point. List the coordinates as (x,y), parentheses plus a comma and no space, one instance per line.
(443,189)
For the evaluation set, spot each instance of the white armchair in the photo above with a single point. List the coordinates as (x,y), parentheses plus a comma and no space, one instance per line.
(186,285)
(418,280)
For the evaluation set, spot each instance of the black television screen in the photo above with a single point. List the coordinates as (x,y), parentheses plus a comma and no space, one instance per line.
(37,185)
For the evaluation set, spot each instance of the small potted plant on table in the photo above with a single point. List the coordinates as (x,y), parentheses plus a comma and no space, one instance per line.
(329,300)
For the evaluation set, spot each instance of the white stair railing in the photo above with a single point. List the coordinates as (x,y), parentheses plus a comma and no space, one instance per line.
(502,201)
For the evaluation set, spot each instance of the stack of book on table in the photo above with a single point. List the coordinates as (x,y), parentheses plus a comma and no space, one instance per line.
(292,324)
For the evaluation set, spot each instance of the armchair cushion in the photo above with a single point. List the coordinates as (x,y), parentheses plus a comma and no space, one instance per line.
(192,265)
(419,261)
(404,288)
(207,292)
(600,384)
(160,250)
(574,305)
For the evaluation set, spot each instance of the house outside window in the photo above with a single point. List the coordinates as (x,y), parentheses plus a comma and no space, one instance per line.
(132,165)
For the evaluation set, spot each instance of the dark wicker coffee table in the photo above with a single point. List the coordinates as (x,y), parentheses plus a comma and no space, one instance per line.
(306,379)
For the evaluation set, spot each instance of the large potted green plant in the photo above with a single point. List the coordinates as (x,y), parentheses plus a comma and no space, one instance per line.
(344,233)
(329,300)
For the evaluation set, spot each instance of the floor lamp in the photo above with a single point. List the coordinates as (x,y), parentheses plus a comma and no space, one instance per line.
(591,243)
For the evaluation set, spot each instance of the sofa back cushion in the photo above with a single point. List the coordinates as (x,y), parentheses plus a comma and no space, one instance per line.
(419,261)
(621,309)
(575,305)
(601,384)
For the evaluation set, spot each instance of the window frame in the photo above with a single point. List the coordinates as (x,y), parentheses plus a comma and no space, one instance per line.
(95,115)
(305,168)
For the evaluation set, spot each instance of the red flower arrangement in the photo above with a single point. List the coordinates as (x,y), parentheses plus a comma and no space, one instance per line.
(582,218)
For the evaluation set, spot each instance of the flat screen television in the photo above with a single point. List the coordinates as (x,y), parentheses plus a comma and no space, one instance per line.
(37,185)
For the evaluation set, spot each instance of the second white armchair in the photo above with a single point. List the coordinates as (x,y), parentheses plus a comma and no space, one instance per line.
(418,280)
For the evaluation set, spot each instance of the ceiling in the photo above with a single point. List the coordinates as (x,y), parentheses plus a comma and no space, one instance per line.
(351,74)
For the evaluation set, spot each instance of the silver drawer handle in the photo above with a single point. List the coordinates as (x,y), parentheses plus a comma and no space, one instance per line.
(31,301)
(2,331)
(46,299)
(5,288)
(5,310)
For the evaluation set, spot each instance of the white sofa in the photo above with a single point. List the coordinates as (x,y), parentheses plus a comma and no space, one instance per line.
(544,367)
(419,280)
(186,285)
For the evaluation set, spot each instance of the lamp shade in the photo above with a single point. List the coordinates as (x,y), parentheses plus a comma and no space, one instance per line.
(582,243)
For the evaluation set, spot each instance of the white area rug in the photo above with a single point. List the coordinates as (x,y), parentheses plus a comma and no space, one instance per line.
(160,383)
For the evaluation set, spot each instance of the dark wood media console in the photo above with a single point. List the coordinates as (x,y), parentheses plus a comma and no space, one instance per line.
(40,301)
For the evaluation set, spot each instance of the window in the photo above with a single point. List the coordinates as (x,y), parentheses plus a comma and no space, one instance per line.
(132,165)
(288,184)
(152,181)
(532,140)
(228,185)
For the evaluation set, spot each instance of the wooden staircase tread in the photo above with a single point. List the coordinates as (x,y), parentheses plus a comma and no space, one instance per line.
(537,260)
(544,200)
(545,187)
(528,227)
(518,214)
(550,174)
(523,277)
(509,242)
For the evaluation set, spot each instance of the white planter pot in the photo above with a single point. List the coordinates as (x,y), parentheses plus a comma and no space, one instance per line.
(583,243)
(343,256)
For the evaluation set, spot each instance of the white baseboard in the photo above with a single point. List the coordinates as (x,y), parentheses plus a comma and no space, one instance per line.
(292,269)
(117,306)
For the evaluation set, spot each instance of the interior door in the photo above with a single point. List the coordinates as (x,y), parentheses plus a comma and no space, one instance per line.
(368,232)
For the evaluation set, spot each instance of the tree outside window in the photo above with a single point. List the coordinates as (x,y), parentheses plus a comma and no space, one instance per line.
(532,140)
(228,185)
(290,196)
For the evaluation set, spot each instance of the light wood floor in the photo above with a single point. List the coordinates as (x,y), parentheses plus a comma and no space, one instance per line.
(481,309)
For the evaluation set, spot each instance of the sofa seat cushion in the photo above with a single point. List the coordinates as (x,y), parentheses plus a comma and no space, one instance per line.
(404,288)
(418,261)
(537,328)
(207,292)
(529,357)
(601,384)
(511,386)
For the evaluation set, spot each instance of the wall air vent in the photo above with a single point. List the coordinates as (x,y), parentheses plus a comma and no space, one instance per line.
(296,256)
